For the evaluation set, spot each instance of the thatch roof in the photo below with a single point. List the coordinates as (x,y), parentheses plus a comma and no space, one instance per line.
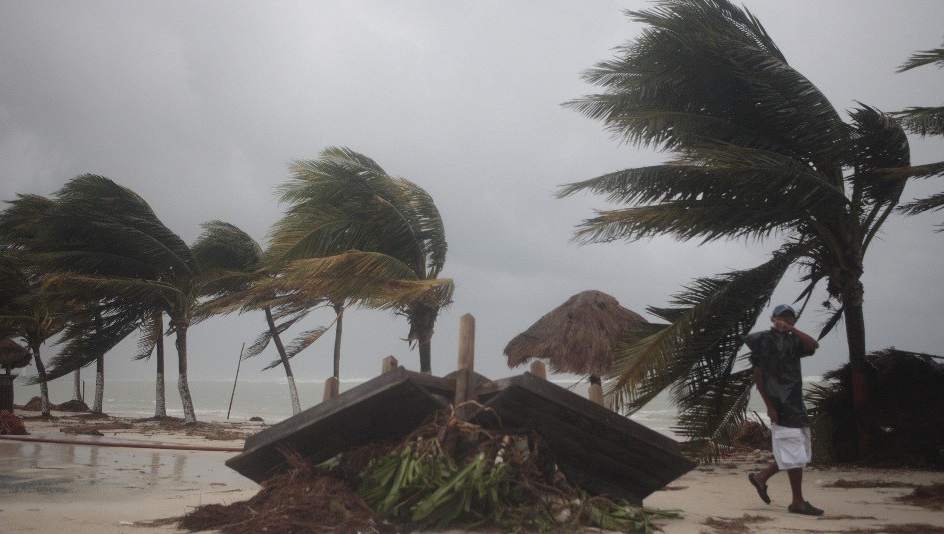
(12,355)
(578,336)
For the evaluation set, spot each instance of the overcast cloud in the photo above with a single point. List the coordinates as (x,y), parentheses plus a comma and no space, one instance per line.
(200,106)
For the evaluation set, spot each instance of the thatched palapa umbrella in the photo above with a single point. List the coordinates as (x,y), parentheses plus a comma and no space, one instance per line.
(577,337)
(12,355)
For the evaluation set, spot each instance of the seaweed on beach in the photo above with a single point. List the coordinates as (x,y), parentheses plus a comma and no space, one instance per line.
(930,496)
(11,425)
(447,473)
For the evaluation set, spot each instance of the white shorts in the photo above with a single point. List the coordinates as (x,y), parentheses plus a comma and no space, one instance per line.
(792,447)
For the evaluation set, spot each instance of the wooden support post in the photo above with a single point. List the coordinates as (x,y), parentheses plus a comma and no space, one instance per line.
(538,369)
(330,388)
(465,388)
(389,364)
(596,390)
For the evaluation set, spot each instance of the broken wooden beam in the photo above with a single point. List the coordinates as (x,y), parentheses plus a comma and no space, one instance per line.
(465,383)
(331,388)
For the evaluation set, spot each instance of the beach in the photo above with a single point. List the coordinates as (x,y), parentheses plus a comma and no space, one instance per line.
(48,487)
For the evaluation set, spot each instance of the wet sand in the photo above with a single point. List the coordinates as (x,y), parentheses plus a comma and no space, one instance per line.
(79,488)
(75,489)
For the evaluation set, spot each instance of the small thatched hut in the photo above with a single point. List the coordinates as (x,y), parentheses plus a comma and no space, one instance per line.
(12,355)
(577,337)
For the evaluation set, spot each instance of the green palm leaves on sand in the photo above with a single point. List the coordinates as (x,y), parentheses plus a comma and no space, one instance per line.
(353,233)
(758,151)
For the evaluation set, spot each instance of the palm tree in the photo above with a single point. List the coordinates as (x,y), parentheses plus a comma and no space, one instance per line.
(105,242)
(29,227)
(238,260)
(758,152)
(353,233)
(28,313)
(924,121)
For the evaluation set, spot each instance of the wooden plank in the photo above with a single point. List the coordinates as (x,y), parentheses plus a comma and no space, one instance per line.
(385,407)
(589,438)
(634,467)
(567,399)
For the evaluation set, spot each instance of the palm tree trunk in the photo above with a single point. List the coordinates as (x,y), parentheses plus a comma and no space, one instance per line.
(855,338)
(43,386)
(99,370)
(289,376)
(426,355)
(160,402)
(339,311)
(77,385)
(99,383)
(185,400)
(422,320)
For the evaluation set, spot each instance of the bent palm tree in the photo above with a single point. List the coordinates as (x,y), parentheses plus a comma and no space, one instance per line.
(348,225)
(237,260)
(105,242)
(923,121)
(759,151)
(28,313)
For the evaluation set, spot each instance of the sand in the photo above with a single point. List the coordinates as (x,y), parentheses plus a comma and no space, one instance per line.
(86,489)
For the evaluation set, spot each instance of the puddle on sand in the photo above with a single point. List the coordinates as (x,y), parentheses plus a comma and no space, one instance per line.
(52,468)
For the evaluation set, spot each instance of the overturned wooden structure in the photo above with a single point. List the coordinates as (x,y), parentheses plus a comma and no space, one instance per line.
(597,449)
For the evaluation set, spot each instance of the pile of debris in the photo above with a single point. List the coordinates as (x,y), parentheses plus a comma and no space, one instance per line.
(447,473)
(35,404)
(905,392)
(11,425)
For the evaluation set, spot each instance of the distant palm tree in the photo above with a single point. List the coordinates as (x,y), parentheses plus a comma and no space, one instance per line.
(924,121)
(105,242)
(26,312)
(759,152)
(352,232)
(239,262)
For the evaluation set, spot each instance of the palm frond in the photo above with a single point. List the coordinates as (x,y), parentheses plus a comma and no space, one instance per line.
(262,340)
(713,412)
(922,120)
(300,343)
(831,323)
(879,144)
(714,60)
(707,322)
(922,58)
(91,288)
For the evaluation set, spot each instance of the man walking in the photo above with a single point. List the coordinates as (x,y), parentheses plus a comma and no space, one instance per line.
(775,355)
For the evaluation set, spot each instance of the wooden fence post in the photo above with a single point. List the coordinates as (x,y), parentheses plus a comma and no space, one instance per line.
(464,386)
(596,390)
(538,369)
(330,388)
(389,364)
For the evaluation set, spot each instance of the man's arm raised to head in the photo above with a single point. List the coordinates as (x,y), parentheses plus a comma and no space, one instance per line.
(809,344)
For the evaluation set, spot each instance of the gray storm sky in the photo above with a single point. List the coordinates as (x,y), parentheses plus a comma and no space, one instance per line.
(200,106)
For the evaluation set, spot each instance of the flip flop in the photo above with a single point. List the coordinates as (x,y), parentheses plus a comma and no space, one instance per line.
(804,509)
(761,489)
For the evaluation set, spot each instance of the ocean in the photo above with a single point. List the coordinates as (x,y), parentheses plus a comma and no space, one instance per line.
(270,400)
